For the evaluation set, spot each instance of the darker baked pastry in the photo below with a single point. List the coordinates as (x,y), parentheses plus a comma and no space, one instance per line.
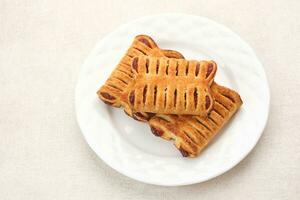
(121,78)
(172,86)
(192,133)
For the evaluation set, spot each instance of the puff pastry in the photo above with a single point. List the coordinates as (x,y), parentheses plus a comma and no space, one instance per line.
(192,133)
(121,78)
(172,86)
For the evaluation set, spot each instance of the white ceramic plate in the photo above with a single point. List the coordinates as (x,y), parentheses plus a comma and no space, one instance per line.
(128,146)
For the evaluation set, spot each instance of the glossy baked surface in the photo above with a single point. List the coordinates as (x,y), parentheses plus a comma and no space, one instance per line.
(192,133)
(172,86)
(128,146)
(115,89)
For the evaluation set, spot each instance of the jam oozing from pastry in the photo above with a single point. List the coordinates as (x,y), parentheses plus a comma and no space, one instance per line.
(187,68)
(183,152)
(156,131)
(155,92)
(209,69)
(139,116)
(193,133)
(190,84)
(197,69)
(132,97)
(175,97)
(165,99)
(135,64)
(107,102)
(177,68)
(185,101)
(150,115)
(145,41)
(195,97)
(157,66)
(144,94)
(167,68)
(147,65)
(207,102)
(107,96)
(142,116)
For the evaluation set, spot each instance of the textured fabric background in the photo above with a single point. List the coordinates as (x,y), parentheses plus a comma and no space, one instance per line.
(42,152)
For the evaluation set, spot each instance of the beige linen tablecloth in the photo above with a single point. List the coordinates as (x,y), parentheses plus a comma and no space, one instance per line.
(42,152)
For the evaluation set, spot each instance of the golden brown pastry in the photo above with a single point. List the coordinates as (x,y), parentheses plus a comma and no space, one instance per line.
(192,133)
(121,78)
(172,86)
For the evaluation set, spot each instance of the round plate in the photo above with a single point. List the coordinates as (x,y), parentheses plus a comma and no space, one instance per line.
(128,146)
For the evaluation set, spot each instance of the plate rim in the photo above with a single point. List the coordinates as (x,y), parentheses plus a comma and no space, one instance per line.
(138,178)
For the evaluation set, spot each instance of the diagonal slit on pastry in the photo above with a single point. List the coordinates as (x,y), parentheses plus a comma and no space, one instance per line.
(192,133)
(172,86)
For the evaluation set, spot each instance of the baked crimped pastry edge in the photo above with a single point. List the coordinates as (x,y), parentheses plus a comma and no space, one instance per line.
(191,134)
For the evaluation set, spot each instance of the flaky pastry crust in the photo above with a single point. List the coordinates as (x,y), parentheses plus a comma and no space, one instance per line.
(172,86)
(191,134)
(121,78)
